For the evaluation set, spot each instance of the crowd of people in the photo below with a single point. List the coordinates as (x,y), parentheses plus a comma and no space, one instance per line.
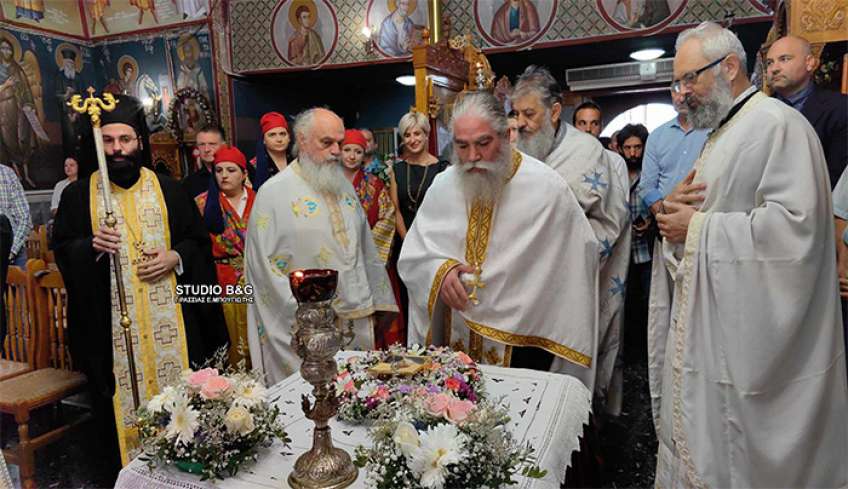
(704,251)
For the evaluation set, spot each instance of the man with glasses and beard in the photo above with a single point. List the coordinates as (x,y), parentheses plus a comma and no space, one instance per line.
(600,190)
(506,252)
(748,376)
(308,216)
(161,242)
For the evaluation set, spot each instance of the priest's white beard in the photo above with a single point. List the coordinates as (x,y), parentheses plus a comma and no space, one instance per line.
(486,185)
(326,177)
(707,114)
(540,144)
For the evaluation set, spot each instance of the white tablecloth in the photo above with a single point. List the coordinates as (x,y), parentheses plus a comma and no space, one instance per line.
(548,410)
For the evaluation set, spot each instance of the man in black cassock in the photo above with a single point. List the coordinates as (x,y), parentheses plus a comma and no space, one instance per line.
(83,258)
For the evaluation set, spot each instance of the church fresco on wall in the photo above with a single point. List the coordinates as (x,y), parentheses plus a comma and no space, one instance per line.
(61,16)
(630,15)
(397,25)
(262,32)
(37,131)
(513,23)
(109,17)
(304,32)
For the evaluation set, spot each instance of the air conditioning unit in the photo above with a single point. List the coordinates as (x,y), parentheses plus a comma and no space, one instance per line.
(620,75)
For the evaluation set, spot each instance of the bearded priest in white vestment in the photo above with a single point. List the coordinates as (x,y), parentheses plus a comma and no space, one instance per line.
(749,344)
(602,190)
(500,258)
(308,216)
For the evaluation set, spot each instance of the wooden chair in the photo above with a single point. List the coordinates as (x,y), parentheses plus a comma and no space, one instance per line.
(17,353)
(53,380)
(33,245)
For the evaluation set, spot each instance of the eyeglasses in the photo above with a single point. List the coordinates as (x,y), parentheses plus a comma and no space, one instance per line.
(689,79)
(122,140)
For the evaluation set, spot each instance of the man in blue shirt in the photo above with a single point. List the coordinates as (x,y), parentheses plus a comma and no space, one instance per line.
(670,153)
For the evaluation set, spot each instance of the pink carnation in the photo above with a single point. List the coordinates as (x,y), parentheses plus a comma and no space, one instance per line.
(197,379)
(350,387)
(437,404)
(464,358)
(457,411)
(382,393)
(215,387)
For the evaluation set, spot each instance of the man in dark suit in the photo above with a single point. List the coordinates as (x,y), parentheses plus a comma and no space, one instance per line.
(789,68)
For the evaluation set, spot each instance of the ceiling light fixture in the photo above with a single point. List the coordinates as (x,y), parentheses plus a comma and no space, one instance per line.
(406,80)
(647,54)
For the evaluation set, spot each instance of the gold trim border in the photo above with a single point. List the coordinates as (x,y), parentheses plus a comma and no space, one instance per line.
(513,339)
(443,270)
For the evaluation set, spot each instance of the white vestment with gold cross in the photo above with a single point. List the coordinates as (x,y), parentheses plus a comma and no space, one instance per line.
(293,227)
(538,262)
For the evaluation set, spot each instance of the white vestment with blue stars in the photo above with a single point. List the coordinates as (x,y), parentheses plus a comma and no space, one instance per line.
(602,190)
(293,227)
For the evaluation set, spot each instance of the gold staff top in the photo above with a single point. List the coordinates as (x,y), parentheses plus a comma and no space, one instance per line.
(93,105)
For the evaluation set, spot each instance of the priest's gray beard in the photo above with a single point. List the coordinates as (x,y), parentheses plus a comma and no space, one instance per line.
(486,185)
(540,144)
(707,114)
(325,177)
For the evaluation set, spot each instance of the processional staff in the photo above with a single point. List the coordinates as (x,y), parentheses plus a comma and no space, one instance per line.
(93,106)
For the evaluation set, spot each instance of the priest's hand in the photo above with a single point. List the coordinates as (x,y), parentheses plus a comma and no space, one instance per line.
(674,223)
(106,240)
(686,192)
(453,292)
(159,263)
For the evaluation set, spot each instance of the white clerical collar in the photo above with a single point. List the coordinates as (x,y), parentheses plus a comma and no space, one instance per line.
(744,94)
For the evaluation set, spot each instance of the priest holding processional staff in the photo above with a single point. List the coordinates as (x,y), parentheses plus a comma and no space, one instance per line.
(124,237)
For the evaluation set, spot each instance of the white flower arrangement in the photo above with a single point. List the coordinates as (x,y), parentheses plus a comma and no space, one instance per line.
(209,423)
(425,447)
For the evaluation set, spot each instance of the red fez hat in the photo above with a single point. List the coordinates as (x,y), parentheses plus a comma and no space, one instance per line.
(354,136)
(231,154)
(273,120)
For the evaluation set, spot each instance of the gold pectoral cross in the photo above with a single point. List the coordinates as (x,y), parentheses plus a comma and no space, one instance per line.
(476,284)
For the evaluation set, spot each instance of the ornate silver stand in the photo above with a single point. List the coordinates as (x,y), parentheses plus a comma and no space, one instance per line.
(316,339)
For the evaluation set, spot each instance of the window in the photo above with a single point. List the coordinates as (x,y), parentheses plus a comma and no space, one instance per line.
(651,115)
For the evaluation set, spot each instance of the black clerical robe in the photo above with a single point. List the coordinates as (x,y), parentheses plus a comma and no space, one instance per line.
(197,183)
(87,281)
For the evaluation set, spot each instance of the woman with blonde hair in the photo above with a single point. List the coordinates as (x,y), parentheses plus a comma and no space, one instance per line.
(411,177)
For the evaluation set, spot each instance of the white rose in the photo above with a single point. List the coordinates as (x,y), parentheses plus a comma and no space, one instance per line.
(239,420)
(406,437)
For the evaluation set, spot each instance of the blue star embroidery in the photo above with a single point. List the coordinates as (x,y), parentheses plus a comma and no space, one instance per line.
(595,181)
(606,248)
(618,287)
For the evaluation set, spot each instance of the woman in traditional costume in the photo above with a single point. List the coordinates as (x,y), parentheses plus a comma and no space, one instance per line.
(376,201)
(226,208)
